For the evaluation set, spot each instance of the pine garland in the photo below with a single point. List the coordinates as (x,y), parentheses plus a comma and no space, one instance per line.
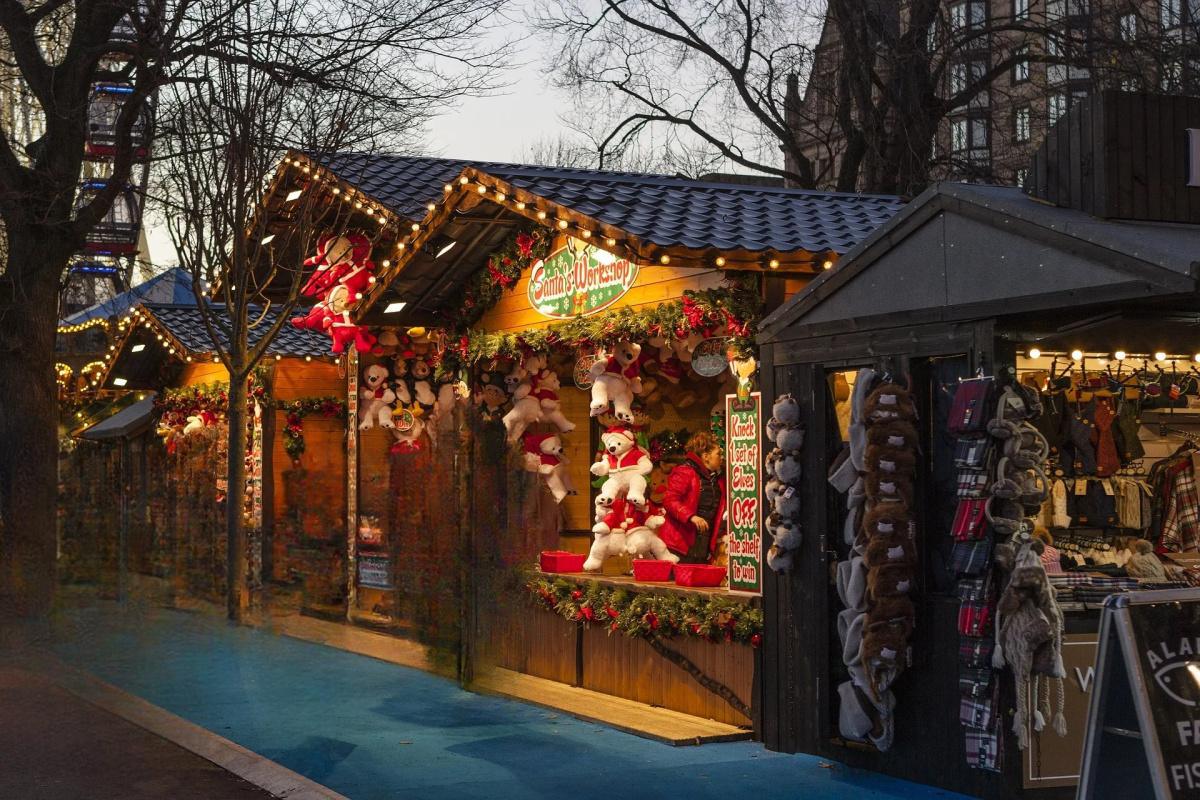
(736,305)
(504,267)
(297,410)
(648,615)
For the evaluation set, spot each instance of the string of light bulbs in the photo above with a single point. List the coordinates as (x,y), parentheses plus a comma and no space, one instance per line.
(1077,355)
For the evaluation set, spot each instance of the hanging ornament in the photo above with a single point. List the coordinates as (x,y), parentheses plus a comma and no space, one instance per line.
(583,371)
(708,359)
(404,419)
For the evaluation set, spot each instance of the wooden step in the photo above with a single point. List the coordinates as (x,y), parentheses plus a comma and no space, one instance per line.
(660,724)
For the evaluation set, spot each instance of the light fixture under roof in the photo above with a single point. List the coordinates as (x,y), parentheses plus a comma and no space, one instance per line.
(294,194)
(438,246)
(119,381)
(393,308)
(137,348)
(268,238)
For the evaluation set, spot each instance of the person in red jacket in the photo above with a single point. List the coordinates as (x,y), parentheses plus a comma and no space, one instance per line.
(694,501)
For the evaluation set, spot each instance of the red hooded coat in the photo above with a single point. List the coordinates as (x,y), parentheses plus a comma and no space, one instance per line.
(680,501)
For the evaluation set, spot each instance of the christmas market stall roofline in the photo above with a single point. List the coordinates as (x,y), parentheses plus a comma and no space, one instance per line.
(437,219)
(156,334)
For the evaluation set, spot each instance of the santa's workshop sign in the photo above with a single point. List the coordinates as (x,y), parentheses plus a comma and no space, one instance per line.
(743,487)
(577,280)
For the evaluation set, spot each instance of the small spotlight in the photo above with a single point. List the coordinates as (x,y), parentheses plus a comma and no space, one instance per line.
(1077,355)
(137,348)
(1035,353)
(294,194)
(1160,356)
(1119,355)
(392,308)
(268,238)
(119,381)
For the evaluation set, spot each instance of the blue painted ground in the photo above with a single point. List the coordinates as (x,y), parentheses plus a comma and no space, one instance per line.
(370,729)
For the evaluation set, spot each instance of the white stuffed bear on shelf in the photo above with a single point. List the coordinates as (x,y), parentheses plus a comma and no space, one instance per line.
(544,455)
(616,380)
(526,409)
(641,536)
(609,533)
(625,465)
(544,385)
(375,399)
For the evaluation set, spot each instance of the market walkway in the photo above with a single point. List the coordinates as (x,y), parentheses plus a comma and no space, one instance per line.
(370,729)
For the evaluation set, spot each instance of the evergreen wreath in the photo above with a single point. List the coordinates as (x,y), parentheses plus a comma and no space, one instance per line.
(297,410)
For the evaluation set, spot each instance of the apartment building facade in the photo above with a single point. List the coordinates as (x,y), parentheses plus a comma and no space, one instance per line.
(1056,51)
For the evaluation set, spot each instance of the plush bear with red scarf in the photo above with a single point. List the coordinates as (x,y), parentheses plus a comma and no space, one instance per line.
(609,532)
(544,455)
(375,398)
(641,538)
(616,380)
(625,465)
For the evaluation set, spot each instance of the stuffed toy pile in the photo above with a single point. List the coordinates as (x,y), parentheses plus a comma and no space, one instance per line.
(783,482)
(342,273)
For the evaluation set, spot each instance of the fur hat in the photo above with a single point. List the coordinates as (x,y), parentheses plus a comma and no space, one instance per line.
(787,503)
(889,460)
(897,433)
(896,548)
(887,610)
(889,401)
(884,487)
(883,519)
(850,630)
(786,409)
(886,644)
(788,467)
(790,437)
(1143,563)
(887,580)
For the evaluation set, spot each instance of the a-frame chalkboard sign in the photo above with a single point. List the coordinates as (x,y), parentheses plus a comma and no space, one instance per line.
(1143,737)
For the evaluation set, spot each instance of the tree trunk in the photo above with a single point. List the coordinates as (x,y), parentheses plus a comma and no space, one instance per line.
(28,427)
(236,597)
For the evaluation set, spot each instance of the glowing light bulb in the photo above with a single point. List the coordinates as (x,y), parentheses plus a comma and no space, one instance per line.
(1120,355)
(1035,353)
(1077,355)
(1160,356)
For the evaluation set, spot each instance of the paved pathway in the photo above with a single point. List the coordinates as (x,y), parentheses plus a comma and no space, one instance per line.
(369,729)
(56,746)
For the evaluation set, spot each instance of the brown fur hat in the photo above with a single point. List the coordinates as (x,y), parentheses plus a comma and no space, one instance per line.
(889,461)
(886,642)
(888,580)
(1026,583)
(889,401)
(889,609)
(894,549)
(883,487)
(886,518)
(897,433)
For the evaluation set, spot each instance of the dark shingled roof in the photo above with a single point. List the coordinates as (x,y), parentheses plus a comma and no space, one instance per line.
(186,325)
(662,210)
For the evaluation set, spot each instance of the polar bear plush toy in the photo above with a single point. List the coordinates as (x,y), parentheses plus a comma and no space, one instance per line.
(544,455)
(625,465)
(375,399)
(544,385)
(615,380)
(609,533)
(641,537)
(526,409)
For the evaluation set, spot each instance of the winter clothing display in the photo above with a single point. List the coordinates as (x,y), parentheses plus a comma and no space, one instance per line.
(783,470)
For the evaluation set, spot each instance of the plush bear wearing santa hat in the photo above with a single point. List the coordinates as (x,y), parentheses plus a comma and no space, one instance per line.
(526,409)
(375,398)
(544,385)
(625,465)
(641,534)
(544,455)
(609,533)
(616,380)
(341,329)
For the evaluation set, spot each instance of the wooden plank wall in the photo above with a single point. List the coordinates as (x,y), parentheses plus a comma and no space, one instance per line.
(197,373)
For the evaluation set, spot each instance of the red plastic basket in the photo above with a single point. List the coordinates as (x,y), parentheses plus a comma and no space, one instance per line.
(698,575)
(648,569)
(562,561)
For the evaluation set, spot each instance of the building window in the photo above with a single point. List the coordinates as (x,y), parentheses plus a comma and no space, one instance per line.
(1131,85)
(1020,176)
(1170,13)
(958,78)
(1054,47)
(1020,72)
(1056,106)
(969,140)
(1021,124)
(967,14)
(1020,9)
(1127,27)
(1171,79)
(958,136)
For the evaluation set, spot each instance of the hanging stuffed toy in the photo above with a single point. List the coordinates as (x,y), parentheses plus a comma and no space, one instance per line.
(625,465)
(615,380)
(198,422)
(407,429)
(375,398)
(422,386)
(544,385)
(544,455)
(341,329)
(526,409)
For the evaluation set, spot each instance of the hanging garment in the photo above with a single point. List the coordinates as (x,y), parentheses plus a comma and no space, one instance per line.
(1079,446)
(1108,460)
(1050,423)
(1181,511)
(1060,517)
(1129,503)
(1127,423)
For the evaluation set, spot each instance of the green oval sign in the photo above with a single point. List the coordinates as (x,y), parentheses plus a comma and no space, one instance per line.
(579,280)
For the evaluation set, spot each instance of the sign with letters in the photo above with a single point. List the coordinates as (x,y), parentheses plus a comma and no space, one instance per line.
(578,280)
(1143,737)
(743,491)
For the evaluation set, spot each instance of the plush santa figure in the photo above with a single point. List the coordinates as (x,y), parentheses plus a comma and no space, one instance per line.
(616,380)
(544,455)
(375,398)
(341,329)
(625,465)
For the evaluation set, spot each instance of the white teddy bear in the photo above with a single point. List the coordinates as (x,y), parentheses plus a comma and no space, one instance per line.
(625,465)
(641,539)
(526,409)
(544,455)
(544,385)
(616,380)
(609,532)
(375,399)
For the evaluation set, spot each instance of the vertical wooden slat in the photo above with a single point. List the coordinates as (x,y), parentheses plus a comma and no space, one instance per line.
(1156,161)
(1118,148)
(1134,140)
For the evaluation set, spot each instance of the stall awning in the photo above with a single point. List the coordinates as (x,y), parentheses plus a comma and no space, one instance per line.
(963,251)
(129,421)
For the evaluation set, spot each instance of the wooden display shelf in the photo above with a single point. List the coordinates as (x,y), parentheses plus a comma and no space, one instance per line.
(627,582)
(661,724)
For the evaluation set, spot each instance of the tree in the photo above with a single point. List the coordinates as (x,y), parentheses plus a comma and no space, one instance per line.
(308,68)
(870,84)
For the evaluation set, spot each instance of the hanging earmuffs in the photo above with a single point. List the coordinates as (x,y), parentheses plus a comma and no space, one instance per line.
(1005,516)
(1027,447)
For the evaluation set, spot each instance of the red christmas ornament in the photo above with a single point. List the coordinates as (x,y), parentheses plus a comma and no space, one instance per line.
(755,639)
(576,595)
(612,612)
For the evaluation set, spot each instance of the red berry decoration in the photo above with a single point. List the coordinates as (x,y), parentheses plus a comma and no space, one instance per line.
(755,639)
